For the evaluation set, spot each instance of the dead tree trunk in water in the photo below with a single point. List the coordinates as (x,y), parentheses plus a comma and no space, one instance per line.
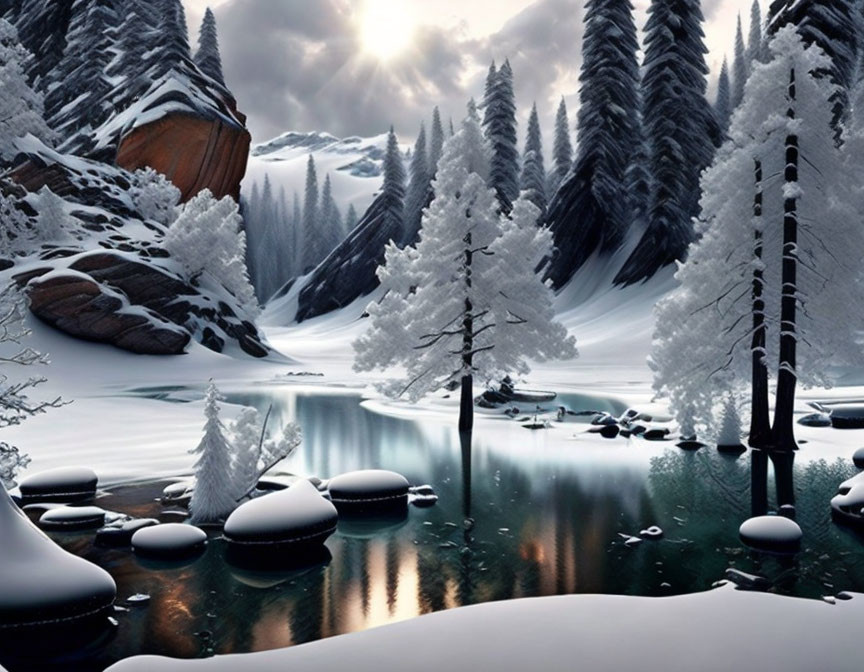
(466,404)
(760,421)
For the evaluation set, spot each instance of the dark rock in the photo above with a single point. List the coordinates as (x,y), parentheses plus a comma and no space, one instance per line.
(609,431)
(735,449)
(690,445)
(656,435)
(370,489)
(858,458)
(815,420)
(848,417)
(64,484)
(169,541)
(67,518)
(746,581)
(121,534)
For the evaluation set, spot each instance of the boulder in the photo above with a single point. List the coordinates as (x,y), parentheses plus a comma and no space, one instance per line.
(82,308)
(858,458)
(194,153)
(68,518)
(40,583)
(847,506)
(120,534)
(369,489)
(771,533)
(732,449)
(815,420)
(298,518)
(64,484)
(848,417)
(691,445)
(170,541)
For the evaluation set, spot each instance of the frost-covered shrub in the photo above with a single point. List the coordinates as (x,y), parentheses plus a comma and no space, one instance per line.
(15,231)
(53,223)
(21,108)
(730,425)
(155,196)
(254,457)
(206,238)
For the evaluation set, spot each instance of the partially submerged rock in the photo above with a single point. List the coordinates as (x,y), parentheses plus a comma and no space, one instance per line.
(848,505)
(64,484)
(120,534)
(40,583)
(296,518)
(170,541)
(70,518)
(369,489)
(858,458)
(815,420)
(771,533)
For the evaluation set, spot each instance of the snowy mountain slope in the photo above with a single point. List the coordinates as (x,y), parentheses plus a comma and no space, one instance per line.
(354,165)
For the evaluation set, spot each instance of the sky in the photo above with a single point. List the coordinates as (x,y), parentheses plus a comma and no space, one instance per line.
(353,67)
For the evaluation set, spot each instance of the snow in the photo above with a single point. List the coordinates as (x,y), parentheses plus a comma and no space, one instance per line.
(368,485)
(297,514)
(170,540)
(771,532)
(556,631)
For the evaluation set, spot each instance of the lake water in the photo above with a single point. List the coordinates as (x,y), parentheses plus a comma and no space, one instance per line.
(511,521)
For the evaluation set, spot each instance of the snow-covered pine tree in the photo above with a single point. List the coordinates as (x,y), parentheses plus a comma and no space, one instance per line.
(419,189)
(351,219)
(563,150)
(464,301)
(393,189)
(739,66)
(206,240)
(722,106)
(311,252)
(207,56)
(216,491)
(774,257)
(591,210)
(533,179)
(16,231)
(21,108)
(499,123)
(755,47)
(53,224)
(678,121)
(331,219)
(436,142)
(729,435)
(831,24)
(173,44)
(133,45)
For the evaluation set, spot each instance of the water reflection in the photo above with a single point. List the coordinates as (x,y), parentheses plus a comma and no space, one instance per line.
(511,521)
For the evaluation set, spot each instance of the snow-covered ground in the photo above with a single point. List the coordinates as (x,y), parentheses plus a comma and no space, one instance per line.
(723,629)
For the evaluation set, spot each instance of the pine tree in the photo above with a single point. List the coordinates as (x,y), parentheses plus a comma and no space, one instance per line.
(173,46)
(351,219)
(722,107)
(739,67)
(330,224)
(678,122)
(831,24)
(729,436)
(53,224)
(16,232)
(563,151)
(499,123)
(533,179)
(464,301)
(298,238)
(215,494)
(134,40)
(21,108)
(436,143)
(754,42)
(419,189)
(393,190)
(311,253)
(207,57)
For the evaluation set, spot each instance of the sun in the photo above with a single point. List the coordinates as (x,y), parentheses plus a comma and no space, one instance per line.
(386,28)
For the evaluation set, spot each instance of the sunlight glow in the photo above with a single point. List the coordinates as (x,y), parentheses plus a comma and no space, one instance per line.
(386,28)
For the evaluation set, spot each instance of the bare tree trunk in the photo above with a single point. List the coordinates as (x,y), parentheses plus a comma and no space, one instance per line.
(783,430)
(760,421)
(466,405)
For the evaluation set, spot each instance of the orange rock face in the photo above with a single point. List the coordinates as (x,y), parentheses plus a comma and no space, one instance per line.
(193,153)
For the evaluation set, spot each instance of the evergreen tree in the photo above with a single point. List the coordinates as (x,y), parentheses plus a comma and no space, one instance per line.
(393,190)
(134,40)
(754,42)
(678,123)
(216,492)
(351,219)
(298,239)
(21,108)
(207,57)
(499,123)
(331,219)
(436,143)
(533,179)
(465,300)
(563,150)
(722,109)
(830,24)
(311,253)
(739,67)
(53,224)
(173,46)
(419,189)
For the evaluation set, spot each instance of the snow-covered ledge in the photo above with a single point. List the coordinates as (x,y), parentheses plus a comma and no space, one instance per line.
(723,629)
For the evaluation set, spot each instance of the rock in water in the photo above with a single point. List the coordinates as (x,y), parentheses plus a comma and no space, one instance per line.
(296,518)
(118,535)
(815,420)
(771,533)
(858,458)
(65,484)
(369,489)
(171,541)
(73,518)
(848,505)
(732,448)
(40,583)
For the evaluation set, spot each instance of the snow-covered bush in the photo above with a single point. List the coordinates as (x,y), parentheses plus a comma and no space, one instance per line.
(15,405)
(15,231)
(21,108)
(256,455)
(730,425)
(53,223)
(155,196)
(206,238)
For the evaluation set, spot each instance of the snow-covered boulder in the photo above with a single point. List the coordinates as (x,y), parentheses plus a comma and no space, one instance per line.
(64,484)
(177,492)
(848,505)
(771,533)
(171,541)
(40,583)
(858,458)
(296,518)
(73,518)
(120,533)
(369,489)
